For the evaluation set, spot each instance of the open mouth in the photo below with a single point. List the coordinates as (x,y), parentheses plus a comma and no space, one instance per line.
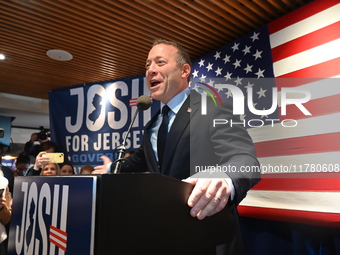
(154,83)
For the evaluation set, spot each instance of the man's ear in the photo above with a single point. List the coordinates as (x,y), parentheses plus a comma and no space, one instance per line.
(186,70)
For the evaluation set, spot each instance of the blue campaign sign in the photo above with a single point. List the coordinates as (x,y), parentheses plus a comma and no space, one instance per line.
(88,121)
(53,215)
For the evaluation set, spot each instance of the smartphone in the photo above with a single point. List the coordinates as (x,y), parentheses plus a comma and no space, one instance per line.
(57,157)
(1,192)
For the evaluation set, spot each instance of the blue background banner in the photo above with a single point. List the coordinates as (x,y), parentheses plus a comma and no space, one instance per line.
(90,120)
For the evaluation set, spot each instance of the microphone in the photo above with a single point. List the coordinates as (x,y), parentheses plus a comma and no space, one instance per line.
(143,103)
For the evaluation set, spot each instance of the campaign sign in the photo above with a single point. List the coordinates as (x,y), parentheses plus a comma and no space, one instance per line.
(91,120)
(53,215)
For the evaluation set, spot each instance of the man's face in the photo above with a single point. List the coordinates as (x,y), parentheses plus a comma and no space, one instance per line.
(164,77)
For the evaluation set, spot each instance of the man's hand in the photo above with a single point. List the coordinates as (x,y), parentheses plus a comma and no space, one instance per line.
(103,168)
(208,197)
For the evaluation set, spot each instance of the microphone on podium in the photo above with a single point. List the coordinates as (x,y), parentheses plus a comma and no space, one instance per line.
(143,103)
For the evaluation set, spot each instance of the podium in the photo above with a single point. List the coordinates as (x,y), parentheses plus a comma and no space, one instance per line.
(142,213)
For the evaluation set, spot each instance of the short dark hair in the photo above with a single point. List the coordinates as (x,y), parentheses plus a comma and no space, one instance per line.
(48,145)
(182,55)
(23,158)
(67,164)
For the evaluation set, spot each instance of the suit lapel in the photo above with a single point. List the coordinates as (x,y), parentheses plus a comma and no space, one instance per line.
(148,151)
(179,126)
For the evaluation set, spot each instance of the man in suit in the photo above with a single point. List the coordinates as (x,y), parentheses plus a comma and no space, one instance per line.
(193,142)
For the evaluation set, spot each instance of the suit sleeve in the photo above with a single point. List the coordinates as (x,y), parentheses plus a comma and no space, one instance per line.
(235,150)
(143,159)
(135,163)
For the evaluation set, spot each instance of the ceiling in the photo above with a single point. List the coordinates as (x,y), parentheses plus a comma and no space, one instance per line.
(110,39)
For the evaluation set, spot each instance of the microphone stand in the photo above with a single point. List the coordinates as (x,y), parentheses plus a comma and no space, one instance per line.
(121,148)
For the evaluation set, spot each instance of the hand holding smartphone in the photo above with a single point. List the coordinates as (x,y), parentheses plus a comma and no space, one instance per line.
(57,157)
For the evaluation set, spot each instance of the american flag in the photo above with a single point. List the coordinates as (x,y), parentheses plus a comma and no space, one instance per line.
(300,50)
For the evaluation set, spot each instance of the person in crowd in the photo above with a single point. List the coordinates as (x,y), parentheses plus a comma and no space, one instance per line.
(168,68)
(33,149)
(6,171)
(44,144)
(87,169)
(5,213)
(22,164)
(47,147)
(66,169)
(50,169)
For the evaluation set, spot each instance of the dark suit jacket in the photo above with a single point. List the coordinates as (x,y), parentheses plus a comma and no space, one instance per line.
(193,143)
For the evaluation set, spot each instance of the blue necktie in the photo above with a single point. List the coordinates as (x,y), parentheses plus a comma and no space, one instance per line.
(162,134)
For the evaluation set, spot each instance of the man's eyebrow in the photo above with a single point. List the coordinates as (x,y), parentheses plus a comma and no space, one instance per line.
(155,58)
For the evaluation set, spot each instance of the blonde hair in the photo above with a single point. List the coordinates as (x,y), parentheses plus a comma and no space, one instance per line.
(57,168)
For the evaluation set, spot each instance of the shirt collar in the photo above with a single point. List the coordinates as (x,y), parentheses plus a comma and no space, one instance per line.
(176,102)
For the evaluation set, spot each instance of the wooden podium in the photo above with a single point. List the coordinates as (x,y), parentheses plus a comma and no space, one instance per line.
(140,213)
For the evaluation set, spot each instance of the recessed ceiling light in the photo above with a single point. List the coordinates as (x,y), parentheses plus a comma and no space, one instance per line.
(60,55)
(2,57)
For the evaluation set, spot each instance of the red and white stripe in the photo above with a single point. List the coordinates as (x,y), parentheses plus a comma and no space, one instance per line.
(133,101)
(58,238)
(306,55)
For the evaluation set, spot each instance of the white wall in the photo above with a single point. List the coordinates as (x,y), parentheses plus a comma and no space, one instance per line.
(22,135)
(28,111)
